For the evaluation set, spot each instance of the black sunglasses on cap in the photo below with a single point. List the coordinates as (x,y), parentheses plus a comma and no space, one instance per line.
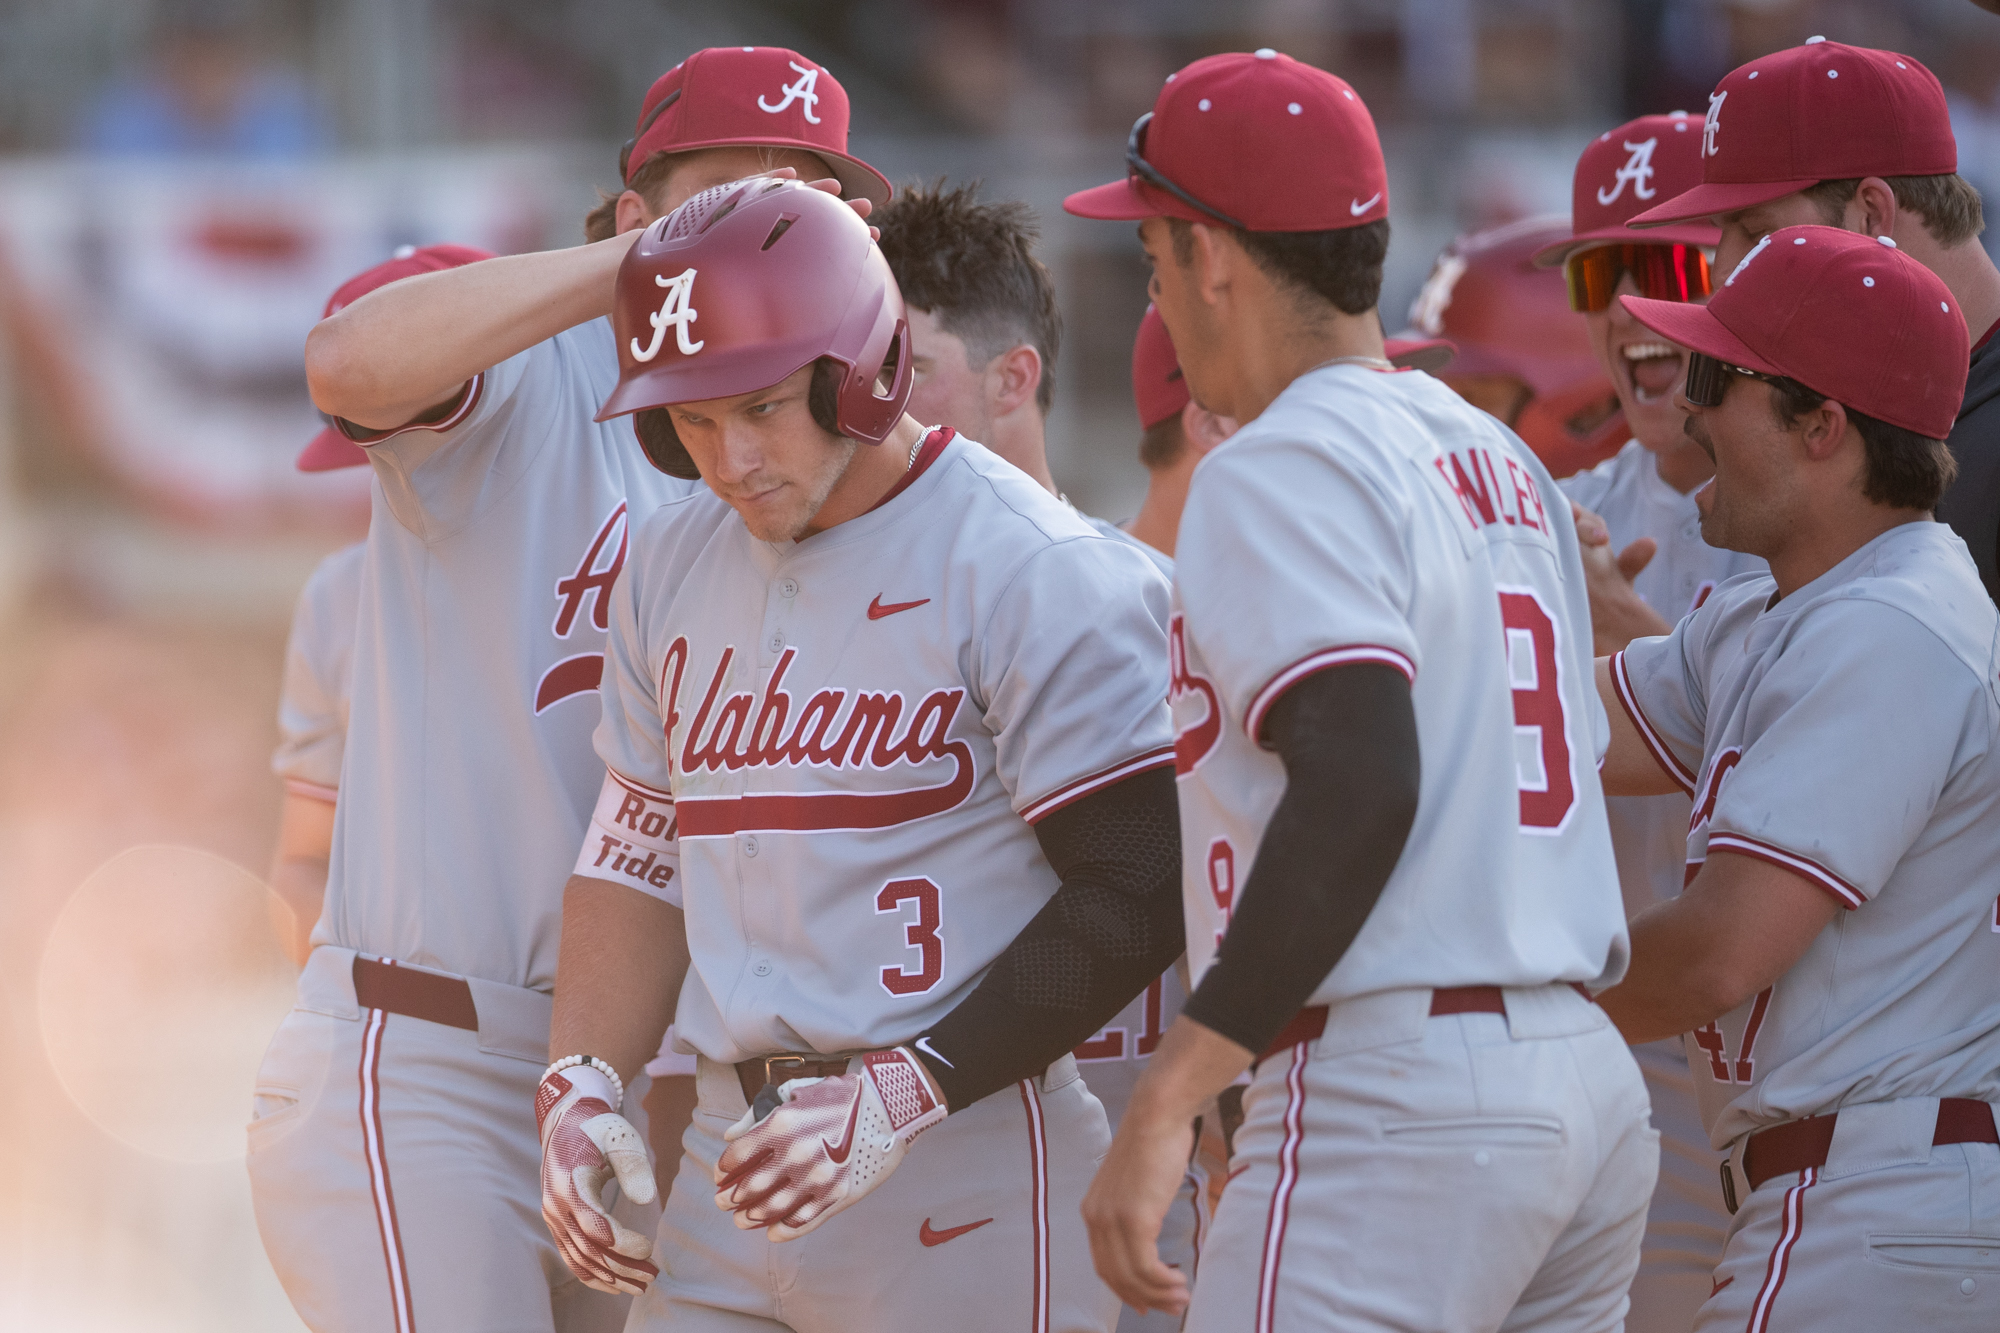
(1137,165)
(1708,379)
(625,153)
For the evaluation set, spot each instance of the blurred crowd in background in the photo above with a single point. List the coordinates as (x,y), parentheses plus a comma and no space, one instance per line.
(183,182)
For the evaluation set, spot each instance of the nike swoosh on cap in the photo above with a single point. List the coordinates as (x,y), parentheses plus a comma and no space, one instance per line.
(1360,206)
(930,1237)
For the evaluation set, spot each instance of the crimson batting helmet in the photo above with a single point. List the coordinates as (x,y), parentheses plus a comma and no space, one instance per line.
(1513,328)
(741,286)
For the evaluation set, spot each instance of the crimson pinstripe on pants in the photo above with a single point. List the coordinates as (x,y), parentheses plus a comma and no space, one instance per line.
(379,1188)
(1793,1223)
(1281,1193)
(1038,1169)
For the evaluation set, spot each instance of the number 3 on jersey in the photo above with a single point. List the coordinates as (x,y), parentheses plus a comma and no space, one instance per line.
(1542,754)
(921,935)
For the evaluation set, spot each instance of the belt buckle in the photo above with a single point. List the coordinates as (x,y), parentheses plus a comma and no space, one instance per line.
(774,1063)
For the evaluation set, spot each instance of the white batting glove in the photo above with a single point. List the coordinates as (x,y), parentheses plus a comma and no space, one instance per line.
(584,1145)
(828,1142)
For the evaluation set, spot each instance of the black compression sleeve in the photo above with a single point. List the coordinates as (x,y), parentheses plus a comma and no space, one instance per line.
(1112,926)
(1348,738)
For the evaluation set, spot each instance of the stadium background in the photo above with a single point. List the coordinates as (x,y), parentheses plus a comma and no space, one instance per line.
(153,302)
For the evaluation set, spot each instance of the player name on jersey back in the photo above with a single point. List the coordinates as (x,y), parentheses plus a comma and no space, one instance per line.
(1375,518)
(851,737)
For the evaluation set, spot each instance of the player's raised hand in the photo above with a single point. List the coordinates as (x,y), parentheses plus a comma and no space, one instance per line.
(862,207)
(827,1143)
(584,1145)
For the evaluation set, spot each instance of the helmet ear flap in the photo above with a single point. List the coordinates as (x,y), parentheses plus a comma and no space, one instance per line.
(866,414)
(662,443)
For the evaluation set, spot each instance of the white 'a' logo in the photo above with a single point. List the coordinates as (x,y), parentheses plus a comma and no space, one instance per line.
(802,91)
(677,310)
(1638,169)
(1744,262)
(1712,124)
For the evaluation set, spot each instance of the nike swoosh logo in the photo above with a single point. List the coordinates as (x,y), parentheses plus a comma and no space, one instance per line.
(924,1044)
(1360,206)
(876,610)
(837,1153)
(930,1237)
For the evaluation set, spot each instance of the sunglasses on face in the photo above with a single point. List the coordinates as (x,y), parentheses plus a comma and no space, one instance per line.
(1708,379)
(1137,165)
(1661,273)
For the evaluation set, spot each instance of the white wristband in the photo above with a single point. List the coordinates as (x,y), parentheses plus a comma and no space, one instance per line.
(601,1066)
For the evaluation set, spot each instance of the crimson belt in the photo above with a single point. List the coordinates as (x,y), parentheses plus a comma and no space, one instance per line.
(414,994)
(1793,1147)
(778,1070)
(1308,1023)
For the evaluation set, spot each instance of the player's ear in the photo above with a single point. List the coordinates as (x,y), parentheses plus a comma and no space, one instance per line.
(1012,378)
(1824,432)
(632,212)
(1875,198)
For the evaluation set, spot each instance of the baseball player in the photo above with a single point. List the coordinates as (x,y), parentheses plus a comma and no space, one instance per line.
(1519,354)
(1861,139)
(393,1157)
(984,335)
(1833,958)
(1379,610)
(1644,498)
(888,826)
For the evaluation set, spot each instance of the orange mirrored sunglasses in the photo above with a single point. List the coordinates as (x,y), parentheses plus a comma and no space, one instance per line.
(1661,273)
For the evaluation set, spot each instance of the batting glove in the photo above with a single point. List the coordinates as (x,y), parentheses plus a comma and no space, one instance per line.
(826,1144)
(584,1145)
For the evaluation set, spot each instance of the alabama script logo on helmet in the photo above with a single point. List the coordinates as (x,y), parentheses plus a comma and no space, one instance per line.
(1638,170)
(1712,125)
(801,91)
(677,310)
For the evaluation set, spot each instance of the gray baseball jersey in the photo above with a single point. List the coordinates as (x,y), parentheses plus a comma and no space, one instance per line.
(1649,833)
(496,537)
(831,753)
(1851,734)
(1371,516)
(319,662)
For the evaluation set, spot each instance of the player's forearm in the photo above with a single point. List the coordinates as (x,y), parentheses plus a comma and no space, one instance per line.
(1113,925)
(1190,1066)
(1348,738)
(408,346)
(623,958)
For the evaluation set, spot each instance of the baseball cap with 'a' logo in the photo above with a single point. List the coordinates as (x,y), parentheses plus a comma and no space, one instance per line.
(1822,111)
(1625,171)
(1255,140)
(755,97)
(1848,316)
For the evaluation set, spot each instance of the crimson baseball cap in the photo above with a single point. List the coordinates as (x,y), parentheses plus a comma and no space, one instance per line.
(1254,139)
(1623,171)
(1847,315)
(329,451)
(1822,111)
(751,96)
(1426,354)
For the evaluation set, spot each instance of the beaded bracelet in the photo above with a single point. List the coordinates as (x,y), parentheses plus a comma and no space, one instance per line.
(601,1066)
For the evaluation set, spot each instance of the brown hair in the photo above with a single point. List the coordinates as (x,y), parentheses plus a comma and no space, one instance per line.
(974,266)
(1904,470)
(1342,266)
(1163,443)
(1948,205)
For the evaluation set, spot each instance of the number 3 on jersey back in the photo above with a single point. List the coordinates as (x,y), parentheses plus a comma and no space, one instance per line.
(1541,721)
